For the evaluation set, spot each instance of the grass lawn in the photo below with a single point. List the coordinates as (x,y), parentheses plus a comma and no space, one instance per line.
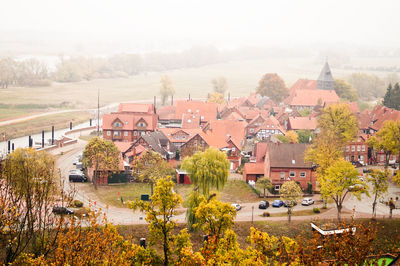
(36,125)
(297,213)
(234,191)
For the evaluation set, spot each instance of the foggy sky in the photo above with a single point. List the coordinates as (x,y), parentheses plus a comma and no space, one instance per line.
(225,24)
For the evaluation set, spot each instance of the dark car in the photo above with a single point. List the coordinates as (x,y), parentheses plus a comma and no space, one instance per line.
(277,203)
(62,210)
(77,176)
(263,204)
(286,203)
(366,170)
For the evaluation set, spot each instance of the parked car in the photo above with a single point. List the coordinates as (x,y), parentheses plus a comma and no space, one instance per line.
(263,204)
(366,170)
(277,203)
(77,176)
(62,210)
(307,201)
(236,206)
(285,203)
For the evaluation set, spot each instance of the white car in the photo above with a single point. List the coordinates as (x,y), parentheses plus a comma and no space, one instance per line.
(307,201)
(236,206)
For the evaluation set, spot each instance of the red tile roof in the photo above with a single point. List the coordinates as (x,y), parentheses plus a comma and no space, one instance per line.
(254,168)
(250,113)
(207,111)
(172,132)
(260,150)
(190,120)
(354,107)
(311,97)
(304,84)
(123,146)
(129,120)
(136,108)
(217,133)
(288,155)
(380,114)
(166,112)
(271,123)
(298,123)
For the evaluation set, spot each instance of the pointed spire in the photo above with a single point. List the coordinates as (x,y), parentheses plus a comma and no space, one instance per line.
(325,80)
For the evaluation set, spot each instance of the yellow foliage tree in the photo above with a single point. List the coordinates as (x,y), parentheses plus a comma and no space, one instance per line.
(292,136)
(216,97)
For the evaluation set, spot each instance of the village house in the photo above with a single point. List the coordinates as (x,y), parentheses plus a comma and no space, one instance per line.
(357,150)
(268,128)
(157,142)
(179,136)
(281,162)
(130,122)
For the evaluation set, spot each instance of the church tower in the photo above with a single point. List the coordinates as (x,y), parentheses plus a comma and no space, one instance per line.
(325,80)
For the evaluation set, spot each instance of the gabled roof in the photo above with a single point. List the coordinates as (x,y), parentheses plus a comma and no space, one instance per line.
(219,132)
(312,97)
(207,111)
(250,113)
(129,120)
(271,123)
(136,108)
(298,123)
(380,114)
(254,168)
(123,146)
(171,132)
(260,150)
(288,155)
(304,84)
(158,142)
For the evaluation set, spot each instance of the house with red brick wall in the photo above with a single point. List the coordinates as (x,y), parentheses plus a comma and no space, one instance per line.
(285,162)
(253,171)
(300,99)
(357,150)
(127,127)
(372,120)
(196,143)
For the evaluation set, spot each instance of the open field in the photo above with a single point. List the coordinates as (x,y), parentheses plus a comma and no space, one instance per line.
(35,125)
(242,76)
(235,191)
(388,232)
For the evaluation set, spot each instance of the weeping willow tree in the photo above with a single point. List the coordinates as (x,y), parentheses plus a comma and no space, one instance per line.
(207,170)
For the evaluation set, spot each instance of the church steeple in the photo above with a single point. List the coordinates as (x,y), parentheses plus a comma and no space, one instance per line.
(325,80)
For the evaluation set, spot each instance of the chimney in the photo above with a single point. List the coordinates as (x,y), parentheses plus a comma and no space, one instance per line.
(229,97)
(172,100)
(52,132)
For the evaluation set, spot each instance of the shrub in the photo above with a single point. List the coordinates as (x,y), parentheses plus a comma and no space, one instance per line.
(266,214)
(77,203)
(316,210)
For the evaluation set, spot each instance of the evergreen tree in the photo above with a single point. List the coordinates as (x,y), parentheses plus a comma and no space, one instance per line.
(392,97)
(387,98)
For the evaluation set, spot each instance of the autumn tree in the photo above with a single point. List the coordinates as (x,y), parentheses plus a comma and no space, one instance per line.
(291,193)
(340,179)
(102,155)
(28,190)
(264,183)
(345,91)
(220,85)
(167,88)
(292,136)
(207,170)
(337,126)
(273,86)
(150,167)
(159,214)
(216,97)
(387,139)
(379,182)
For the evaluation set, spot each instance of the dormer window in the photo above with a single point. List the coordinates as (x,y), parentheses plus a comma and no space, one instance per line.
(117,124)
(141,124)
(268,126)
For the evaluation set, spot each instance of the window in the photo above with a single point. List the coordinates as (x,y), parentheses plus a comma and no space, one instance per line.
(358,148)
(292,174)
(282,175)
(277,187)
(189,110)
(183,137)
(272,126)
(268,126)
(126,133)
(117,124)
(135,133)
(233,149)
(117,133)
(302,174)
(359,140)
(142,133)
(353,148)
(382,158)
(202,117)
(108,133)
(141,124)
(126,122)
(361,159)
(189,121)
(347,148)
(394,158)
(251,130)
(347,158)
(363,147)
